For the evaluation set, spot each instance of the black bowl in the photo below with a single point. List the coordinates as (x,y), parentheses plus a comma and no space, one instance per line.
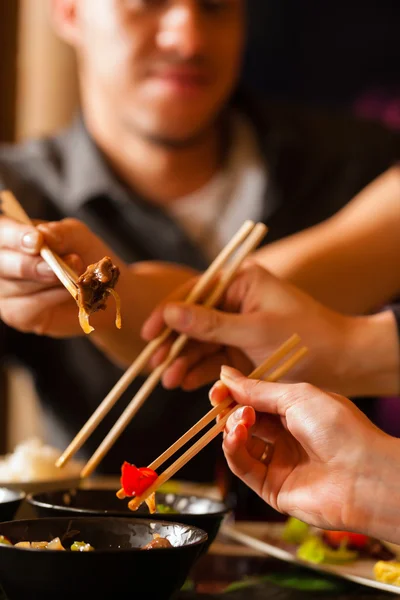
(10,501)
(205,513)
(117,566)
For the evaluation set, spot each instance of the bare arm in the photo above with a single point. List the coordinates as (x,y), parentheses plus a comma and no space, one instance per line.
(351,262)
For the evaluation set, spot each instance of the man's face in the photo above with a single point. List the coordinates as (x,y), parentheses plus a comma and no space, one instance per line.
(165,68)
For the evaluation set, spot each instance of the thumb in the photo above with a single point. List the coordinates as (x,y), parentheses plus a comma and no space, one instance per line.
(206,324)
(70,236)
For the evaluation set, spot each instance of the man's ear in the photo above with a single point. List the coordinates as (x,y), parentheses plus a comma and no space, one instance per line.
(65,21)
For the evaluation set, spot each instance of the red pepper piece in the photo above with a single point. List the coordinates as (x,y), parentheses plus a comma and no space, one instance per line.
(135,480)
(354,540)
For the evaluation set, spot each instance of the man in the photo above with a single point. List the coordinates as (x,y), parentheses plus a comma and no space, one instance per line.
(165,164)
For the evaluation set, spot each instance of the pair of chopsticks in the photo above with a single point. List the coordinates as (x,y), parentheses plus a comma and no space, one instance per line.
(241,245)
(10,207)
(258,373)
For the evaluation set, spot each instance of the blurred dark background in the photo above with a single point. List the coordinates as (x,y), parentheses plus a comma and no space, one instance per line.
(339,55)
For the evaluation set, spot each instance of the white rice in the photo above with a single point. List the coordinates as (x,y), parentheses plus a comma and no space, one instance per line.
(32,460)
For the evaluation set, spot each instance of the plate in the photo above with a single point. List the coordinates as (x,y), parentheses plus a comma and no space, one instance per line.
(267,538)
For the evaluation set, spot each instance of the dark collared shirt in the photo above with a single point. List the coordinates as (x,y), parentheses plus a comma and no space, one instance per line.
(310,176)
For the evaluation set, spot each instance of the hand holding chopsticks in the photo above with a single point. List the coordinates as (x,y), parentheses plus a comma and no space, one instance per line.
(258,373)
(10,207)
(90,290)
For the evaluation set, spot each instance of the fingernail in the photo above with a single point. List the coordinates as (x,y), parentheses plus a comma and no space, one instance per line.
(233,431)
(229,373)
(210,396)
(238,414)
(177,316)
(217,387)
(44,270)
(31,240)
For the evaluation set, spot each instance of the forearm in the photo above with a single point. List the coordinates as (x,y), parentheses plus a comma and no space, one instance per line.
(149,284)
(350,262)
(373,504)
(368,362)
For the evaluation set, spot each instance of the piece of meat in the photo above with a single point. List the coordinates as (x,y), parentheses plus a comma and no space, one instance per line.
(158,542)
(94,284)
(94,287)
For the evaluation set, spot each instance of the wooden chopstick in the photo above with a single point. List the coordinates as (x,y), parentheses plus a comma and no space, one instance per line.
(212,414)
(11,208)
(215,430)
(141,396)
(141,361)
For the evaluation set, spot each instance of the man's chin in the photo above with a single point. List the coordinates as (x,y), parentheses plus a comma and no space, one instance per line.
(173,137)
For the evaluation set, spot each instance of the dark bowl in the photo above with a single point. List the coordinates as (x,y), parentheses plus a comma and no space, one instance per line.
(10,501)
(205,513)
(117,566)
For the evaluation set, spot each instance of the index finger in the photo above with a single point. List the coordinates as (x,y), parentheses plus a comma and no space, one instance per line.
(19,237)
(267,397)
(155,324)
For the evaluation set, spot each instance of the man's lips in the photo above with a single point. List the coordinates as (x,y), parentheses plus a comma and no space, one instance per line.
(182,77)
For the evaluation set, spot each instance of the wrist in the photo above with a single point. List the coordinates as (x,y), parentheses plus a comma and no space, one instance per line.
(373,505)
(369,363)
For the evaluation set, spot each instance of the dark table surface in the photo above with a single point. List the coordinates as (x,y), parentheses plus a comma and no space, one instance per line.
(231,571)
(258,578)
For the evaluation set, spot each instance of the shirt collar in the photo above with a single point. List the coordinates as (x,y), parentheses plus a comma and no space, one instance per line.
(87,173)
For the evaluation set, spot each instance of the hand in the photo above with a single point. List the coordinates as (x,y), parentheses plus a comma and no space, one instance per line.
(327,463)
(31,297)
(260,313)
(350,355)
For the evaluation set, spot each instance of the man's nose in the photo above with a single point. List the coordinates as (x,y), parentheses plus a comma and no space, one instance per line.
(181,30)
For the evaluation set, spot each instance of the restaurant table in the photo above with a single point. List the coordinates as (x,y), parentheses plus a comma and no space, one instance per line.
(232,571)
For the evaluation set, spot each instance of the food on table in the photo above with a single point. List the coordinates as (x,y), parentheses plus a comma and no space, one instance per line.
(314,550)
(387,572)
(81,547)
(54,544)
(135,481)
(332,547)
(295,531)
(353,540)
(365,546)
(4,541)
(32,460)
(94,287)
(163,509)
(158,542)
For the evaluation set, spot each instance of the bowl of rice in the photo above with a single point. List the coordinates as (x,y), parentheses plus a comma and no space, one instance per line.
(31,468)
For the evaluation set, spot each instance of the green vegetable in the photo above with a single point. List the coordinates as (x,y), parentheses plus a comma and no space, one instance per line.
(297,580)
(4,541)
(303,581)
(295,531)
(170,487)
(81,547)
(166,510)
(314,550)
(244,583)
